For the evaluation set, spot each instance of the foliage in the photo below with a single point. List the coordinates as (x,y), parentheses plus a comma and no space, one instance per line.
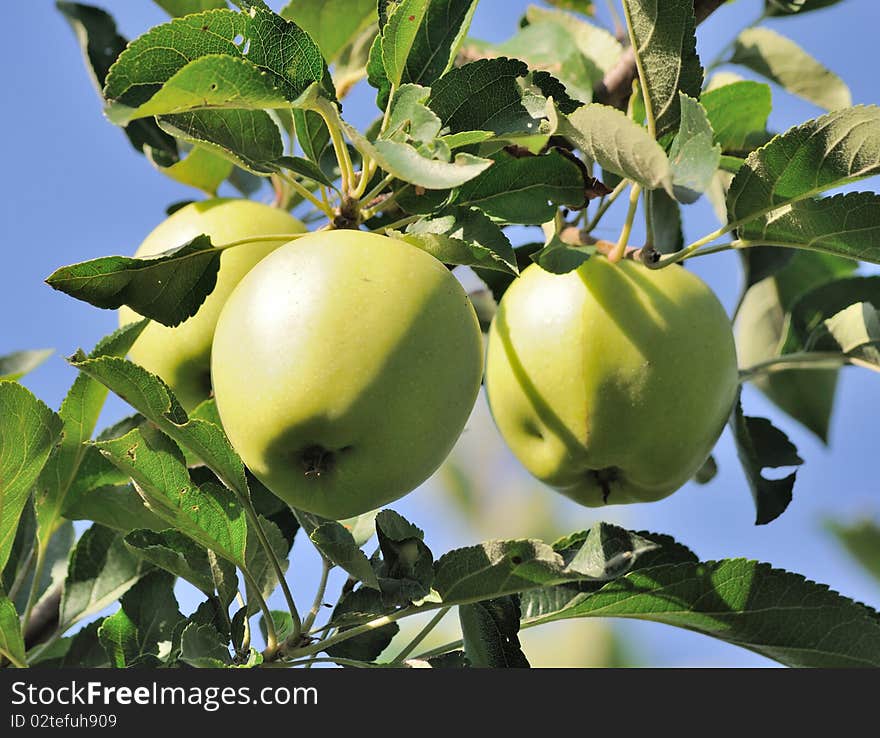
(472,141)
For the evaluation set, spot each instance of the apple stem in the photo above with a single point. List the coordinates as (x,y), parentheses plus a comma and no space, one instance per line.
(618,253)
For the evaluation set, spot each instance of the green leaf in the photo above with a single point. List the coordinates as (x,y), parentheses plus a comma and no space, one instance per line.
(497,95)
(283,625)
(101,569)
(250,139)
(585,7)
(84,650)
(805,327)
(307,169)
(421,38)
(333,24)
(261,40)
(666,47)
(741,602)
(260,567)
(693,156)
(560,257)
(806,395)
(101,44)
(338,545)
(312,135)
(406,572)
(782,61)
(846,225)
(738,113)
(489,630)
(407,163)
(202,647)
(149,395)
(617,144)
(174,552)
(185,7)
(28,433)
(208,514)
(498,568)
(861,540)
(527,190)
(821,154)
(15,365)
(666,217)
(410,114)
(116,506)
(367,646)
(11,640)
(147,615)
(463,236)
(55,561)
(203,169)
(212,81)
(278,47)
(760,445)
(168,288)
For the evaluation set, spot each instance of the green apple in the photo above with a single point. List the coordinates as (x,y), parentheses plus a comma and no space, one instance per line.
(345,366)
(182,355)
(613,382)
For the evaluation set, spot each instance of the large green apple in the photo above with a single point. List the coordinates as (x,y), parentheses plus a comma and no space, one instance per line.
(611,383)
(345,366)
(182,355)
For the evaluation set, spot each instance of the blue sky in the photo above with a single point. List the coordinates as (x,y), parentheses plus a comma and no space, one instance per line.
(75,190)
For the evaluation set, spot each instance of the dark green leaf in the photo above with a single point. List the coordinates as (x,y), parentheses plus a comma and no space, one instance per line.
(666,218)
(101,44)
(497,568)
(283,625)
(168,288)
(276,46)
(421,38)
(497,95)
(463,236)
(489,630)
(808,313)
(526,190)
(338,545)
(203,647)
(665,43)
(176,553)
(741,602)
(146,617)
(819,155)
(406,571)
(846,225)
(185,7)
(260,567)
(101,569)
(367,646)
(760,445)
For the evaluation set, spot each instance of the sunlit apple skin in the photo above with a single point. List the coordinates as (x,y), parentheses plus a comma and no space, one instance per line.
(345,366)
(611,383)
(182,355)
